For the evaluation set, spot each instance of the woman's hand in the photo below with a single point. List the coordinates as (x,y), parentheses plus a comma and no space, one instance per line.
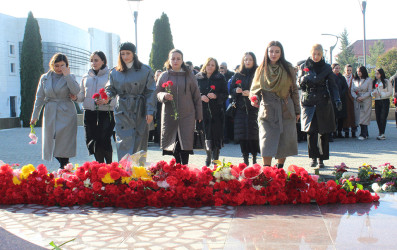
(65,70)
(33,121)
(246,93)
(255,104)
(211,96)
(73,97)
(168,97)
(298,117)
(205,98)
(149,119)
(239,90)
(360,99)
(101,101)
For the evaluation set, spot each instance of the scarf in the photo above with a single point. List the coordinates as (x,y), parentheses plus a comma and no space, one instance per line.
(275,80)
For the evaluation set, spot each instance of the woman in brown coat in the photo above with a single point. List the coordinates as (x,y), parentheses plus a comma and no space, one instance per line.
(181,107)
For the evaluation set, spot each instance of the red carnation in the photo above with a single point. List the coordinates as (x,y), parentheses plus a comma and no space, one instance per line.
(104,96)
(170,83)
(102,171)
(96,96)
(376,85)
(115,175)
(238,82)
(96,186)
(306,69)
(395,101)
(212,87)
(102,90)
(254,98)
(164,85)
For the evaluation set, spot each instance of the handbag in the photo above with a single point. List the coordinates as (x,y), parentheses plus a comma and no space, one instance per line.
(198,139)
(231,109)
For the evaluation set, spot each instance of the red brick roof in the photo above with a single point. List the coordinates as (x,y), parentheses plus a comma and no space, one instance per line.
(358,45)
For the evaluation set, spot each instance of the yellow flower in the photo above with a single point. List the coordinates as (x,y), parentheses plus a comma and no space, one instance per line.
(365,164)
(16,181)
(107,179)
(57,185)
(125,180)
(27,170)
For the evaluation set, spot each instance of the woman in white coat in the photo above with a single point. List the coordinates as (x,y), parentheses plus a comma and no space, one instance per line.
(361,92)
(60,118)
(98,116)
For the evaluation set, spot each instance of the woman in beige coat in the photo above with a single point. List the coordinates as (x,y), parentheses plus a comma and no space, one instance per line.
(361,92)
(55,91)
(274,83)
(181,108)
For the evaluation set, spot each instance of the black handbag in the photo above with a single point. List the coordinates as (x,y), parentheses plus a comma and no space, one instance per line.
(198,138)
(231,109)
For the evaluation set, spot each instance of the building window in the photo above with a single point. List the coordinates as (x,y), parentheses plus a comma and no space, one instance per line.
(12,49)
(12,67)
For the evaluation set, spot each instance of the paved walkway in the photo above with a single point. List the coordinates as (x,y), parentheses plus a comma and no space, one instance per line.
(15,148)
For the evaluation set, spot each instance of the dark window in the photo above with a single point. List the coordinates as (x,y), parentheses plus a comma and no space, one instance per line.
(12,67)
(13,100)
(12,49)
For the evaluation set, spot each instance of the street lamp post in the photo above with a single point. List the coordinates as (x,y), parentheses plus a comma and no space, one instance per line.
(332,47)
(363,8)
(136,22)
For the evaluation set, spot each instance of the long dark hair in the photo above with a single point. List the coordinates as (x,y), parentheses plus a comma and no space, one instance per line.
(242,69)
(168,66)
(364,73)
(266,60)
(101,55)
(382,78)
(122,67)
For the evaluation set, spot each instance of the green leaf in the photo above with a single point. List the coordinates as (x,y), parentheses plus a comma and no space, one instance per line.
(55,246)
(359,186)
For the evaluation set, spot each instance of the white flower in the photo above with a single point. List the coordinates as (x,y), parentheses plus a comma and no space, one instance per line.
(87,182)
(346,175)
(385,186)
(376,188)
(217,175)
(163,184)
(257,187)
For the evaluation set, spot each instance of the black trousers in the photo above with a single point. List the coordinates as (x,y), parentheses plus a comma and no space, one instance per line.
(62,161)
(364,130)
(381,112)
(317,144)
(99,127)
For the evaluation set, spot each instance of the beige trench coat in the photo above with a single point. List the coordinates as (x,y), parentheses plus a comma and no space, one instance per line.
(362,110)
(60,117)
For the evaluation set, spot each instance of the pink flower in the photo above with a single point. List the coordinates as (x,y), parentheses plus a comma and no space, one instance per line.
(34,138)
(315,177)
(69,167)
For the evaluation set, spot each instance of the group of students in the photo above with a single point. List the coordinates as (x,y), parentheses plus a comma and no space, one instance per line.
(266,99)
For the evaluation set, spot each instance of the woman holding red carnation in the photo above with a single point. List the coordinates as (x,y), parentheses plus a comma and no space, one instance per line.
(98,113)
(54,93)
(213,90)
(133,84)
(246,130)
(382,91)
(178,91)
(274,84)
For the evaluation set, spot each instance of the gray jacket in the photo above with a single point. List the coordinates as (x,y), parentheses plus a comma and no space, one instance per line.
(134,90)
(60,117)
(91,84)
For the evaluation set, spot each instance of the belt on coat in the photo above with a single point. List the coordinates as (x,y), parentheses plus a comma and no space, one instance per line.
(139,100)
(50,99)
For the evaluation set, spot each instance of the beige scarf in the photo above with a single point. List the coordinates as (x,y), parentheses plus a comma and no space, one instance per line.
(276,80)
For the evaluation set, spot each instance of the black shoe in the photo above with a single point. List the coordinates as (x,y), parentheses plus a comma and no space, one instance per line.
(354,135)
(280,165)
(346,135)
(340,135)
(253,159)
(321,164)
(314,163)
(331,139)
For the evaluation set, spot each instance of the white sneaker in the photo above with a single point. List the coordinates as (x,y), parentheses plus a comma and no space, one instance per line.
(361,138)
(381,137)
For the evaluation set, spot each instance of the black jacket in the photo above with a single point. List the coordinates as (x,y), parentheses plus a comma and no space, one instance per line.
(341,83)
(213,111)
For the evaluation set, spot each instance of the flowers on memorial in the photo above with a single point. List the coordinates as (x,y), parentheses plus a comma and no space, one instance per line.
(167,86)
(32,134)
(166,184)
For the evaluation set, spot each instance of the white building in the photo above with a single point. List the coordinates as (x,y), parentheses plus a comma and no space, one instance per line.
(75,43)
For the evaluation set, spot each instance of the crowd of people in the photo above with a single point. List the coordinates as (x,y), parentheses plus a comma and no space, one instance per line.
(264,108)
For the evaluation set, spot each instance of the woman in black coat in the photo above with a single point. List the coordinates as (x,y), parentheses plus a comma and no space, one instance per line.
(213,90)
(317,82)
(341,83)
(246,130)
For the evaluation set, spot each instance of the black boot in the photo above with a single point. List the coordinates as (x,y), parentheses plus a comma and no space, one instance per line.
(280,165)
(245,156)
(346,134)
(354,135)
(253,159)
(215,154)
(314,163)
(184,157)
(320,163)
(208,159)
(99,155)
(340,134)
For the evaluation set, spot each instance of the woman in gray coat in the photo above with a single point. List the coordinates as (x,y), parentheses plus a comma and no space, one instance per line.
(133,84)
(60,118)
(279,110)
(181,108)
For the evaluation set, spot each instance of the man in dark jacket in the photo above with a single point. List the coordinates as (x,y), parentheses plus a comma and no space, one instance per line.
(225,72)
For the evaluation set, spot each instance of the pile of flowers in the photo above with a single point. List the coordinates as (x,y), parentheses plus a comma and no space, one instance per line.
(170,184)
(368,177)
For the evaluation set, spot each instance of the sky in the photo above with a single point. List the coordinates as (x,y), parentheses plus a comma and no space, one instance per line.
(223,29)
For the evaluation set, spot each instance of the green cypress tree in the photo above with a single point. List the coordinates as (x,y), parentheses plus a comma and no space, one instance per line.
(346,56)
(31,62)
(162,42)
